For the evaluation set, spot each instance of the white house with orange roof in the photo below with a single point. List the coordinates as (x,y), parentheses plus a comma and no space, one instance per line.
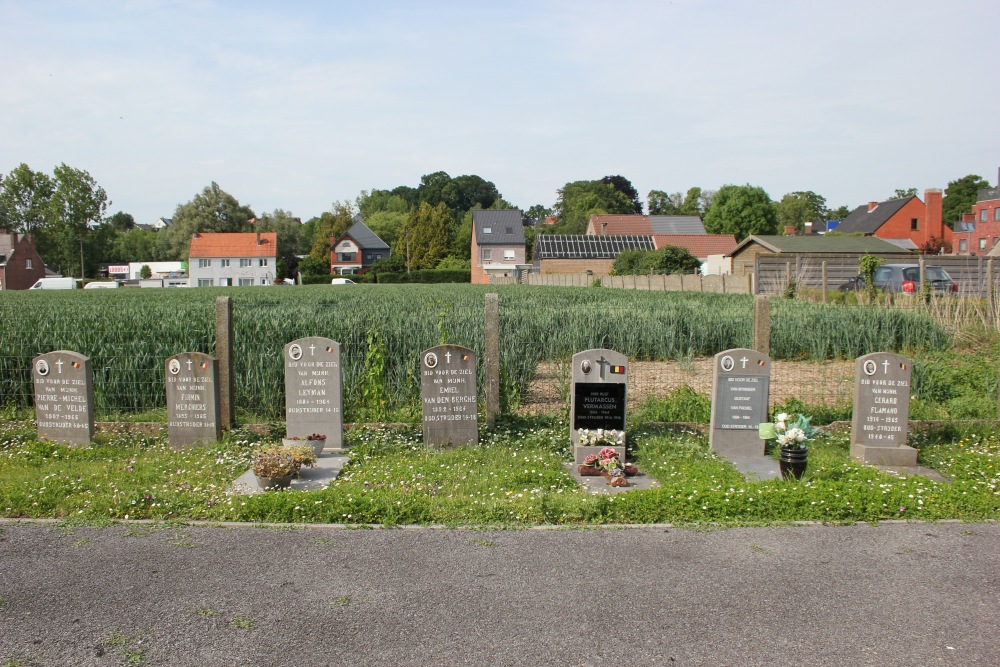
(221,259)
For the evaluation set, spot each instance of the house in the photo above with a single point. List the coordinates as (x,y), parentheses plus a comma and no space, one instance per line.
(226,259)
(907,219)
(159,224)
(710,249)
(356,250)
(20,265)
(497,244)
(978,233)
(582,253)
(645,224)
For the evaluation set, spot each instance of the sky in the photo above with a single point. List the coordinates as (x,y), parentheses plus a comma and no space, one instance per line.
(294,105)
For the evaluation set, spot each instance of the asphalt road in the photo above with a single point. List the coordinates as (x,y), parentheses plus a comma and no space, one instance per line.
(893,594)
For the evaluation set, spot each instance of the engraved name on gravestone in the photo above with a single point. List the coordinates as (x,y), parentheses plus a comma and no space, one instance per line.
(598,397)
(881,416)
(449,396)
(313,389)
(192,381)
(740,388)
(64,397)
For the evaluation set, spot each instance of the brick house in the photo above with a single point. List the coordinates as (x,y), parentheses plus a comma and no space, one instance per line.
(978,233)
(645,224)
(580,253)
(356,250)
(20,265)
(497,244)
(224,259)
(908,220)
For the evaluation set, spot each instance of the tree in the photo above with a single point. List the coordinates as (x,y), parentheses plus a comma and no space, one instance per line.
(145,272)
(693,203)
(24,200)
(212,210)
(380,201)
(313,266)
(77,203)
(960,195)
(287,229)
(624,186)
(578,200)
(904,193)
(386,225)
(425,237)
(330,227)
(838,213)
(136,245)
(797,208)
(121,221)
(660,203)
(665,260)
(538,213)
(741,210)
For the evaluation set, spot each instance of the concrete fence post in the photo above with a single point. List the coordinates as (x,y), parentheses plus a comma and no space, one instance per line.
(762,324)
(492,353)
(823,270)
(224,354)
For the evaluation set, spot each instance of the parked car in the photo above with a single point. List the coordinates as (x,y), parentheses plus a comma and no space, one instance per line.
(905,279)
(342,281)
(102,284)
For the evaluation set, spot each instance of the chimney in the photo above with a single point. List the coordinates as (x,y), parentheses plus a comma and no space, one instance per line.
(789,230)
(872,205)
(258,238)
(13,239)
(934,225)
(196,235)
(808,226)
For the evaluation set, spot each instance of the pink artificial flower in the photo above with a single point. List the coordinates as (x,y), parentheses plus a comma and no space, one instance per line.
(590,459)
(608,453)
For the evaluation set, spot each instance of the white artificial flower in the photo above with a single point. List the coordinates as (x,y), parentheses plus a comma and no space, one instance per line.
(782,417)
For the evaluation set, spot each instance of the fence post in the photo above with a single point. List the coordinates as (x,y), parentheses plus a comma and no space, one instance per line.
(824,280)
(762,324)
(492,349)
(224,354)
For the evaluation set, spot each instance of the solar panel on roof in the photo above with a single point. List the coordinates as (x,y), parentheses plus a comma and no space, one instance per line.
(565,246)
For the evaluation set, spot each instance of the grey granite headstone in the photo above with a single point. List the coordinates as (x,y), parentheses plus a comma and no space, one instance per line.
(449,396)
(740,388)
(192,380)
(64,397)
(881,416)
(313,389)
(598,397)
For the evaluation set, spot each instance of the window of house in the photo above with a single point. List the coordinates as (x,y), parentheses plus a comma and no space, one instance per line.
(914,223)
(487,230)
(263,281)
(996,213)
(346,256)
(204,263)
(205,282)
(345,244)
(508,255)
(378,256)
(29,265)
(224,262)
(225,282)
(982,215)
(245,263)
(246,282)
(982,244)
(487,254)
(368,256)
(263,261)
(962,246)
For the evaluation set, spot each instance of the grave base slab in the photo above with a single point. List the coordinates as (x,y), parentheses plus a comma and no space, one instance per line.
(598,484)
(327,468)
(756,468)
(901,455)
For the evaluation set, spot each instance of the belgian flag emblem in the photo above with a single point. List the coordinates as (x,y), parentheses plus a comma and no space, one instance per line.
(618,370)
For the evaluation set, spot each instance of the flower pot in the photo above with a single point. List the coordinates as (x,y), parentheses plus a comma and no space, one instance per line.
(614,481)
(793,461)
(588,471)
(317,445)
(268,483)
(631,470)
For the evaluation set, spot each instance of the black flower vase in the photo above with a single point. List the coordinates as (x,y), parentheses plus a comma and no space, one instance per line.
(793,461)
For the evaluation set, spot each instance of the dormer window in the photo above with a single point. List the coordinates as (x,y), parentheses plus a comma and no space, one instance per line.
(487,230)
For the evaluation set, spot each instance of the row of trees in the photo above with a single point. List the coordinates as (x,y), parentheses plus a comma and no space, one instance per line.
(426,226)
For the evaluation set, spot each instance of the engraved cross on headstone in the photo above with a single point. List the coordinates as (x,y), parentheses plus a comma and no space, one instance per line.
(602,362)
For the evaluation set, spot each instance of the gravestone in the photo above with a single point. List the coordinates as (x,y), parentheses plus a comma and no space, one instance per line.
(64,397)
(192,381)
(881,416)
(740,388)
(449,396)
(313,389)
(598,397)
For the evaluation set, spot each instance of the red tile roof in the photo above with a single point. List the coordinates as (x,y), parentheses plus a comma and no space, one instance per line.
(699,245)
(620,224)
(234,244)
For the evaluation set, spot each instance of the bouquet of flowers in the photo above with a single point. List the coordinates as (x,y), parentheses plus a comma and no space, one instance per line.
(789,432)
(607,463)
(600,436)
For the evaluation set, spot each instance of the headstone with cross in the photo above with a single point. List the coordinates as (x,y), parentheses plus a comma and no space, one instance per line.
(449,396)
(64,397)
(313,389)
(192,381)
(880,423)
(598,397)
(741,380)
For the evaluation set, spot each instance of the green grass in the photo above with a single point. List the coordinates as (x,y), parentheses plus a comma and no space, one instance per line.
(516,477)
